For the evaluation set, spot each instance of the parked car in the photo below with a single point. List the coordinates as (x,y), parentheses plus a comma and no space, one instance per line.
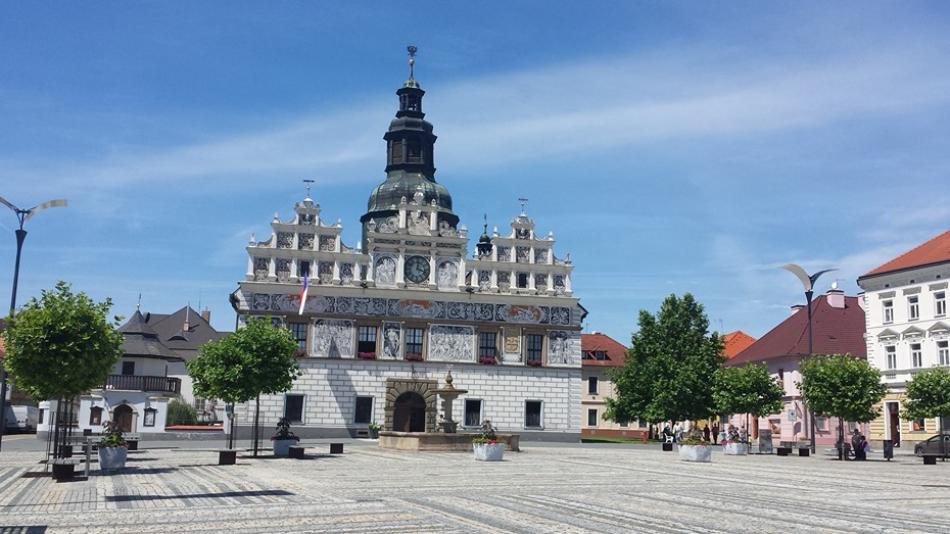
(21,418)
(932,446)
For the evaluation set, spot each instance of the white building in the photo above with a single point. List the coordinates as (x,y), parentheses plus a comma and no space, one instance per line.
(907,330)
(385,320)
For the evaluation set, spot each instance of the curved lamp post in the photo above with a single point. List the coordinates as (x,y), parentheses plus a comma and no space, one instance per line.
(808,283)
(22,216)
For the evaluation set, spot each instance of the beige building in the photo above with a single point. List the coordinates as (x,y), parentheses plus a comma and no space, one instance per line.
(600,355)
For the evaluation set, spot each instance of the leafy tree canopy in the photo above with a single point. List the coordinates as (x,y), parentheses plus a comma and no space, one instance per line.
(928,394)
(61,344)
(841,386)
(668,374)
(256,360)
(747,389)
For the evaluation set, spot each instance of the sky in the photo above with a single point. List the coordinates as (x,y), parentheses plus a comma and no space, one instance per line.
(671,147)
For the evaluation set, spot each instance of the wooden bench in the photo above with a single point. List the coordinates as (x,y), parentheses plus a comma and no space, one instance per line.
(783,451)
(336,448)
(296,452)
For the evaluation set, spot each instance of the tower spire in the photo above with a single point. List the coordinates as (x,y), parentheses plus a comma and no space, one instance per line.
(411,82)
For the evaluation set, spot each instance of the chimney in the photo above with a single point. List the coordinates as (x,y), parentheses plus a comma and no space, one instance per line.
(206,315)
(187,316)
(795,308)
(835,296)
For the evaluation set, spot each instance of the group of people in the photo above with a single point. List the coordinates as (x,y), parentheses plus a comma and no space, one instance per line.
(714,433)
(859,445)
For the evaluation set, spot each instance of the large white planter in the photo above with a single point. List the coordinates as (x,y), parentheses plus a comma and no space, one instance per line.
(489,452)
(695,453)
(736,449)
(282,446)
(112,458)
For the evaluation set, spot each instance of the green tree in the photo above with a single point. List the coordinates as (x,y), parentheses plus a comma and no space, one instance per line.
(256,360)
(928,395)
(61,345)
(748,389)
(180,413)
(841,386)
(668,374)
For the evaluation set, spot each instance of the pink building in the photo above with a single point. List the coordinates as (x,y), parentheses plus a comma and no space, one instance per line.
(838,328)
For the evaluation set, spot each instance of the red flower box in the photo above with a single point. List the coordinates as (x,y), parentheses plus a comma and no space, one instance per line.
(487,360)
(534,363)
(413,356)
(366,355)
(300,353)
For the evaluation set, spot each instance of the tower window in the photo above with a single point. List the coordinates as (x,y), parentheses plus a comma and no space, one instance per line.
(413,151)
(395,151)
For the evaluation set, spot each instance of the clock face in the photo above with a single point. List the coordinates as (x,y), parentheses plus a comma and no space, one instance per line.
(417,269)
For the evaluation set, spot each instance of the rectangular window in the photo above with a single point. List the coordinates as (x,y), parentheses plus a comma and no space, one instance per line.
(592,385)
(821,423)
(364,411)
(42,413)
(532,414)
(95,416)
(591,417)
(303,269)
(299,331)
(367,340)
(293,408)
(487,344)
(916,357)
(891,353)
(913,308)
(149,419)
(534,344)
(522,280)
(414,341)
(473,412)
(940,304)
(943,352)
(128,368)
(888,306)
(919,425)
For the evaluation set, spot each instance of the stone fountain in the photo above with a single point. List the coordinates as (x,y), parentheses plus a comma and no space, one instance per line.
(449,393)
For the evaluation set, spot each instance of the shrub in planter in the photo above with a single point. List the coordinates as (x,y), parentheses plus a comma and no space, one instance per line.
(735,448)
(284,439)
(373,431)
(112,448)
(694,448)
(180,413)
(486,446)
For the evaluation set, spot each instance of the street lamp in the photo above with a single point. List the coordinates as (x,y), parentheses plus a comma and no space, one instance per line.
(22,216)
(808,282)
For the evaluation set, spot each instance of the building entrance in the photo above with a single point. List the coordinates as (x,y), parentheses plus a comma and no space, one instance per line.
(409,413)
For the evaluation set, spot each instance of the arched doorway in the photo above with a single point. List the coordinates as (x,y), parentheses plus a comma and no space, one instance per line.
(123,417)
(409,413)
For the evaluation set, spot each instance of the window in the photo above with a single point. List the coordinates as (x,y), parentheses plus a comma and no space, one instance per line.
(821,423)
(591,417)
(414,341)
(364,411)
(592,385)
(534,343)
(42,413)
(913,308)
(781,377)
(918,425)
(367,340)
(888,311)
(623,424)
(95,416)
(943,352)
(522,280)
(299,331)
(128,368)
(293,408)
(303,269)
(891,353)
(149,419)
(940,303)
(915,356)
(532,414)
(473,412)
(487,344)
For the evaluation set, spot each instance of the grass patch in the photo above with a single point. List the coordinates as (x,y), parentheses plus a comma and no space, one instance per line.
(611,440)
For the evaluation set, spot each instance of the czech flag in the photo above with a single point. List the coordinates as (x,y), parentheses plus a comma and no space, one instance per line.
(303,294)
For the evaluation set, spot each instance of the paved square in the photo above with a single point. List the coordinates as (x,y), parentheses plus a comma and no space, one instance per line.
(576,488)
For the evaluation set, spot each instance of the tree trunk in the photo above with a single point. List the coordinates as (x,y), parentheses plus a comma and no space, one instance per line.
(841,454)
(257,415)
(233,419)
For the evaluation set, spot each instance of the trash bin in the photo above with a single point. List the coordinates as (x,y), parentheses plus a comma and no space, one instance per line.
(888,449)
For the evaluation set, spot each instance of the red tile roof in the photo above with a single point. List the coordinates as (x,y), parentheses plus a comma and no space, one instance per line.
(736,342)
(936,250)
(834,331)
(616,353)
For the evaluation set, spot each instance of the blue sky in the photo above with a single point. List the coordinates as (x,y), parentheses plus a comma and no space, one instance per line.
(671,147)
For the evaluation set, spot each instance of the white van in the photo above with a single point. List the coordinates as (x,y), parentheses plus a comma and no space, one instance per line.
(21,418)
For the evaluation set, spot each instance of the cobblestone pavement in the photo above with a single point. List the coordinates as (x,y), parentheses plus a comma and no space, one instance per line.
(578,488)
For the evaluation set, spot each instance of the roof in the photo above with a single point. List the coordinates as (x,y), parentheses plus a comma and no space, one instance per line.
(736,342)
(834,330)
(171,329)
(616,353)
(140,340)
(936,250)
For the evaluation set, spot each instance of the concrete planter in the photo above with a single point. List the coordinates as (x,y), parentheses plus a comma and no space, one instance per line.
(736,449)
(695,453)
(112,458)
(489,452)
(282,446)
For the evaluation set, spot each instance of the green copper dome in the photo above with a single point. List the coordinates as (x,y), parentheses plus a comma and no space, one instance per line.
(399,185)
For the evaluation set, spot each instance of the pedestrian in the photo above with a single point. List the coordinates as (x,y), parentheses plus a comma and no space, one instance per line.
(706,432)
(677,432)
(715,433)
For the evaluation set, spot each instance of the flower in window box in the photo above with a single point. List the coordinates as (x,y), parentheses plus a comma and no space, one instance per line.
(300,353)
(534,363)
(487,360)
(366,355)
(414,356)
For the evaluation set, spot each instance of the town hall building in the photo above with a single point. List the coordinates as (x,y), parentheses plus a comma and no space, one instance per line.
(385,320)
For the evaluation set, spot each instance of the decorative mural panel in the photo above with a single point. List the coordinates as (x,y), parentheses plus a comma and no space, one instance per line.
(328,243)
(392,341)
(540,255)
(389,225)
(504,253)
(305,241)
(447,275)
(540,282)
(484,279)
(418,223)
(261,268)
(512,344)
(285,239)
(346,272)
(448,343)
(283,270)
(564,348)
(325,272)
(560,315)
(523,254)
(559,284)
(385,271)
(333,338)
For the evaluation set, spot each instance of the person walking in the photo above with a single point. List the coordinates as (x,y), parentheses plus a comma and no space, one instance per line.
(677,432)
(715,433)
(706,432)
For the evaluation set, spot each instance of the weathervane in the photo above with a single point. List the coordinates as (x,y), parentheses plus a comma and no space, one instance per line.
(524,203)
(412,59)
(307,183)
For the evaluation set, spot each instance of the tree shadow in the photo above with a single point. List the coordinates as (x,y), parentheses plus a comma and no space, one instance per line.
(221,495)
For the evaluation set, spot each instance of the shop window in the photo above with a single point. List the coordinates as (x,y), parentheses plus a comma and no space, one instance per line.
(95,416)
(293,408)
